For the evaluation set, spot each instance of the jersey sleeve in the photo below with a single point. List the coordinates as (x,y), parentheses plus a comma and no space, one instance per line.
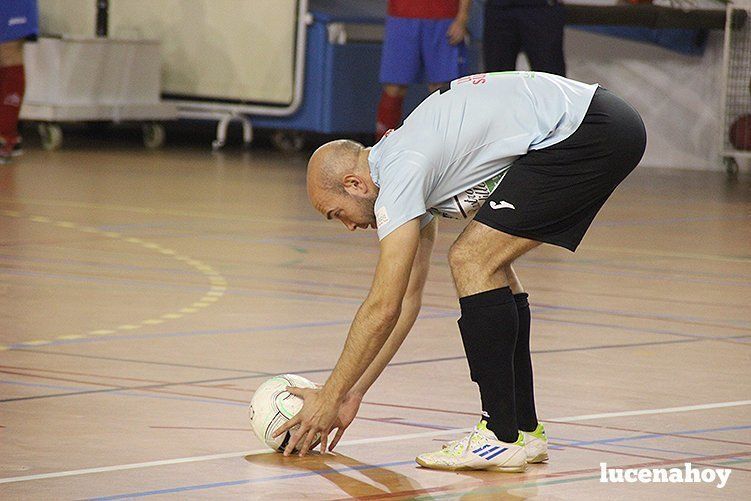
(404,187)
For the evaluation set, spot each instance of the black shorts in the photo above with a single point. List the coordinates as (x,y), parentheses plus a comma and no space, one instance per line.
(557,191)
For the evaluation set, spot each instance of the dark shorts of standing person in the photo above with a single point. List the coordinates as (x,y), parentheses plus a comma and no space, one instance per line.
(552,195)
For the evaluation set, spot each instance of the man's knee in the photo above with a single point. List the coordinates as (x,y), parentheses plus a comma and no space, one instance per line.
(464,258)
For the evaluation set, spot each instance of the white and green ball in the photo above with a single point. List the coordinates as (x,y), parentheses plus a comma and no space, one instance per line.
(272,406)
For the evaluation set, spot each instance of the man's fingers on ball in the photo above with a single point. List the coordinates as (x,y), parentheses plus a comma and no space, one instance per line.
(294,390)
(308,440)
(294,439)
(286,426)
(339,433)
(324,442)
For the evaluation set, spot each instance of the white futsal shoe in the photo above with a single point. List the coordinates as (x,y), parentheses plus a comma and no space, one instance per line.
(535,444)
(480,450)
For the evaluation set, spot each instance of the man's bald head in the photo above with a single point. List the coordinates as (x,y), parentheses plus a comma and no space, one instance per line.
(329,164)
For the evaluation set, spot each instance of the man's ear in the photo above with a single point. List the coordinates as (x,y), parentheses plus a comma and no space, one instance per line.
(355,185)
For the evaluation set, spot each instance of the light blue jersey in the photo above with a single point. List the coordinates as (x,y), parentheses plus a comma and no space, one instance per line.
(455,148)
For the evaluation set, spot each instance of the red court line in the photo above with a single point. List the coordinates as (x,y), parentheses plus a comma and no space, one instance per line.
(432,409)
(123,378)
(54,378)
(208,428)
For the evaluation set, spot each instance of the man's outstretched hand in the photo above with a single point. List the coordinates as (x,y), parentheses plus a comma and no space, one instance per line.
(347,412)
(319,415)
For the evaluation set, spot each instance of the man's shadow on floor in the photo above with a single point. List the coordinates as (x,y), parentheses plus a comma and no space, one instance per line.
(336,468)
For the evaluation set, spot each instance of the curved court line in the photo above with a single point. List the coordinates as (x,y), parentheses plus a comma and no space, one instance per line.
(371,440)
(216,291)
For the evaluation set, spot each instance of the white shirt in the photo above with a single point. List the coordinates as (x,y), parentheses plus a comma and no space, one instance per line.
(456,146)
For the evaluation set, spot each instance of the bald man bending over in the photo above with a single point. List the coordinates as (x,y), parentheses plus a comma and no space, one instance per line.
(533,157)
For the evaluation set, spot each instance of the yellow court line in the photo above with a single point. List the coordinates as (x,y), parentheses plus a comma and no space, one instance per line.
(209,272)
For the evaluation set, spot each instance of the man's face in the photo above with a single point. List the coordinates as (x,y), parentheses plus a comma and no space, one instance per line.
(354,212)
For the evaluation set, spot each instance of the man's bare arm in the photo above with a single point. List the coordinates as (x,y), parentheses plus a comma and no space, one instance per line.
(379,314)
(410,309)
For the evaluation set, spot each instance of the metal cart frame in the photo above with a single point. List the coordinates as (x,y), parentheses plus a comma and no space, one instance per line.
(736,81)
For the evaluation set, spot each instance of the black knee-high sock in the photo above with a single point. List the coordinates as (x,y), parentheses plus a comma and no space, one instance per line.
(524,390)
(489,325)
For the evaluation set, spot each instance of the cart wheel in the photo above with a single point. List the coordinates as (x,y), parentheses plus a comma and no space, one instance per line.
(289,141)
(153,135)
(731,167)
(52,136)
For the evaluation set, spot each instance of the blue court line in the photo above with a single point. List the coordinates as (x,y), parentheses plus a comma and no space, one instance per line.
(155,284)
(148,284)
(653,276)
(745,323)
(313,371)
(215,332)
(732,323)
(634,329)
(316,297)
(355,468)
(658,435)
(393,364)
(671,221)
(145,362)
(430,316)
(649,272)
(327,471)
(313,297)
(572,442)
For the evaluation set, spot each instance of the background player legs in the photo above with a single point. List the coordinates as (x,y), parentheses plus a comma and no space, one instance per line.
(389,113)
(489,320)
(542,38)
(390,107)
(501,41)
(12,87)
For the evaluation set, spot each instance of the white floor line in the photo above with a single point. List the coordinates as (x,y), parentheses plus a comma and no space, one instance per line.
(390,438)
(667,410)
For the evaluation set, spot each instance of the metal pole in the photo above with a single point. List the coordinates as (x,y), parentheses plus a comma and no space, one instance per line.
(102,17)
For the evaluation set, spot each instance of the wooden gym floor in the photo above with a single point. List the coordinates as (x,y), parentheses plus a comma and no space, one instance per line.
(144,295)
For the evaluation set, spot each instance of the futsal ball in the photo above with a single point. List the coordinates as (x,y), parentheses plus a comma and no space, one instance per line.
(740,133)
(272,406)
